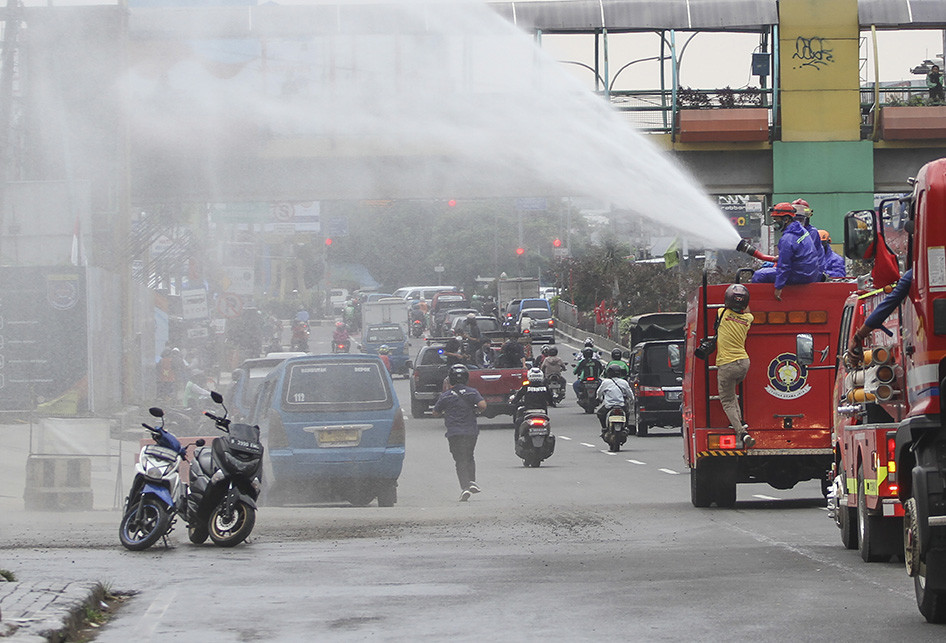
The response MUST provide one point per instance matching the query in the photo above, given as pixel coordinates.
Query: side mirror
(156, 412)
(805, 349)
(216, 397)
(409, 364)
(860, 234)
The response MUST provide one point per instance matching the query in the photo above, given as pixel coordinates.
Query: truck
(786, 404)
(656, 326)
(891, 397)
(516, 288)
(388, 310)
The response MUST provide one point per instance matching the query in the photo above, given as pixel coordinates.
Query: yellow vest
(731, 336)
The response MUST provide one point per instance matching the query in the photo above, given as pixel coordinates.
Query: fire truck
(891, 449)
(786, 403)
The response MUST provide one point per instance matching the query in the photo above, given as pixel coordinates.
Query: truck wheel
(642, 429)
(418, 408)
(932, 604)
(869, 530)
(724, 485)
(847, 521)
(701, 486)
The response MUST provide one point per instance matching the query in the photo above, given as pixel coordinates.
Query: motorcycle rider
(511, 355)
(541, 358)
(799, 253)
(383, 351)
(552, 365)
(533, 394)
(588, 366)
(613, 392)
(340, 335)
(617, 360)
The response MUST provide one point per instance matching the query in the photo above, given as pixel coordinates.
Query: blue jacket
(799, 259)
(834, 264)
(891, 301)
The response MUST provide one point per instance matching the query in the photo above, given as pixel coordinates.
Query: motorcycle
(157, 491)
(587, 393)
(534, 439)
(225, 483)
(615, 432)
(417, 328)
(341, 345)
(300, 336)
(557, 386)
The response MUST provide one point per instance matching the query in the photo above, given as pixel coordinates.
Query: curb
(46, 610)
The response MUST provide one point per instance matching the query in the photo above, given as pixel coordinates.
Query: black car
(656, 378)
(430, 368)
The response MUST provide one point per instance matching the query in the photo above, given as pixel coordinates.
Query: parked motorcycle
(556, 384)
(587, 393)
(616, 431)
(157, 491)
(534, 439)
(224, 483)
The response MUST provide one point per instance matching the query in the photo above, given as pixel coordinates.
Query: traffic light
(556, 243)
(328, 241)
(452, 202)
(520, 251)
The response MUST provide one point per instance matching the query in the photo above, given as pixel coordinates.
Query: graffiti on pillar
(812, 52)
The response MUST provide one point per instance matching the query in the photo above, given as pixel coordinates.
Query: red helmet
(782, 210)
(805, 208)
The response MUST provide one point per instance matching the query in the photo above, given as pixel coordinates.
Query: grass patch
(94, 613)
(6, 574)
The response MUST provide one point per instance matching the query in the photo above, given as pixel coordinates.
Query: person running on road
(458, 406)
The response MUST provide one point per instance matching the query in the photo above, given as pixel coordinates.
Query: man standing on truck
(855, 352)
(458, 406)
(732, 360)
(799, 258)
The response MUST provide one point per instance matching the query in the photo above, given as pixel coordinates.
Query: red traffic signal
(556, 243)
(328, 241)
(452, 202)
(520, 251)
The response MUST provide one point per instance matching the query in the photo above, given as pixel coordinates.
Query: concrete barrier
(58, 483)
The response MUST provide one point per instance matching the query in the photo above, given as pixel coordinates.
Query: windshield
(662, 364)
(337, 386)
(392, 334)
(536, 313)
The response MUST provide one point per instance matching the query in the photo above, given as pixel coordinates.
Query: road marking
(152, 617)
(670, 471)
(636, 462)
(585, 444)
(564, 437)
(761, 497)
(606, 452)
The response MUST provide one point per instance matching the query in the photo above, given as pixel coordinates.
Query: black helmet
(616, 353)
(737, 298)
(589, 343)
(614, 371)
(459, 374)
(587, 352)
(552, 351)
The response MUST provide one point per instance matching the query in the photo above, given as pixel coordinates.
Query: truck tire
(724, 486)
(870, 531)
(418, 408)
(847, 521)
(701, 486)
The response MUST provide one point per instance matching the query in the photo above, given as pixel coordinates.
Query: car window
(487, 325)
(263, 401)
(336, 386)
(391, 333)
(657, 369)
(433, 356)
(536, 313)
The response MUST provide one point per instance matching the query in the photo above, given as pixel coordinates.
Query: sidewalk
(44, 611)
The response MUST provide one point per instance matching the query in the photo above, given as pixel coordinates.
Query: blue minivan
(333, 430)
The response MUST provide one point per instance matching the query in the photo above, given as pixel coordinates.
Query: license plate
(538, 431)
(673, 395)
(333, 437)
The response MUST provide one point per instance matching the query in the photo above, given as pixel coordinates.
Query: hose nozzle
(745, 246)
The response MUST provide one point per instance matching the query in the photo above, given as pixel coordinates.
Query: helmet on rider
(736, 298)
(339, 324)
(553, 351)
(783, 213)
(587, 352)
(589, 343)
(471, 315)
(616, 354)
(535, 375)
(459, 374)
(803, 208)
(384, 350)
(545, 350)
(614, 371)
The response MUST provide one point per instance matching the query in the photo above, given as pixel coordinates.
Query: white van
(337, 298)
(412, 293)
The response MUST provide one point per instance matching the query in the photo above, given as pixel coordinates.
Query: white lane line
(585, 444)
(670, 471)
(153, 615)
(761, 497)
(564, 437)
(636, 462)
(606, 452)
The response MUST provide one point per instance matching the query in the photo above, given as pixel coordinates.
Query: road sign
(438, 268)
(194, 304)
(229, 305)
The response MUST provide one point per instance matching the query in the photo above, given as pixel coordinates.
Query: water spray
(749, 249)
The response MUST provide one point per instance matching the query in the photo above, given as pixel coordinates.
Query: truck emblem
(788, 379)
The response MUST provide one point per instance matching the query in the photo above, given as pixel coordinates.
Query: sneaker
(747, 441)
(465, 495)
(473, 488)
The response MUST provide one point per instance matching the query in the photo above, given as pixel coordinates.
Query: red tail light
(892, 461)
(398, 433)
(590, 379)
(649, 390)
(538, 421)
(551, 323)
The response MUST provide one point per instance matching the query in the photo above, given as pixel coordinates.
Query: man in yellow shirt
(732, 360)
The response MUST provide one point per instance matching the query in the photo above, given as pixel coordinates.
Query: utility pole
(11, 27)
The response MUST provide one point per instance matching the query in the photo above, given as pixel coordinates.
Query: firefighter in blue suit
(799, 253)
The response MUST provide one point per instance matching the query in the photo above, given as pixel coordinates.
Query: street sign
(197, 333)
(438, 268)
(229, 305)
(194, 304)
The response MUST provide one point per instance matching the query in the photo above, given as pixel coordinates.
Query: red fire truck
(894, 397)
(787, 404)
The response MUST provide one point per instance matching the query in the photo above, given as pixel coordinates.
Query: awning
(915, 14)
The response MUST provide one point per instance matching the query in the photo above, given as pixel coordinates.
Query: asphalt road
(590, 546)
